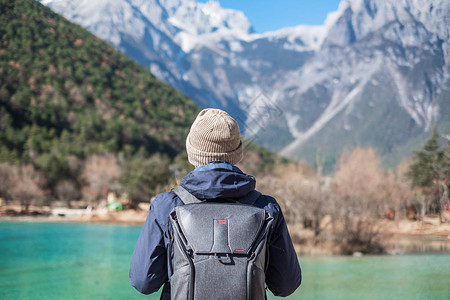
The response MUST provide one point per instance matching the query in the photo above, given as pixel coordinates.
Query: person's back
(213, 146)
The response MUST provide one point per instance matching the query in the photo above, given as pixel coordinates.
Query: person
(213, 146)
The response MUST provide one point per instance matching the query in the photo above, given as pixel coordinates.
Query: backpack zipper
(170, 254)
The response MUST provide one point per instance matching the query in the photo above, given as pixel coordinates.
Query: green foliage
(429, 164)
(181, 166)
(259, 160)
(445, 166)
(53, 167)
(430, 171)
(143, 178)
(62, 90)
(65, 95)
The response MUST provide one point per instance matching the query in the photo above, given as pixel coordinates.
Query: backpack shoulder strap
(185, 196)
(250, 198)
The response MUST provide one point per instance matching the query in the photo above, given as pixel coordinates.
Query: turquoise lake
(86, 261)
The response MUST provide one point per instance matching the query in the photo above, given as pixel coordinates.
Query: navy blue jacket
(149, 264)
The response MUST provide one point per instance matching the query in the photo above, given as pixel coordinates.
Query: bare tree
(66, 190)
(27, 188)
(397, 192)
(100, 171)
(8, 178)
(444, 200)
(302, 193)
(143, 178)
(312, 196)
(358, 200)
(282, 184)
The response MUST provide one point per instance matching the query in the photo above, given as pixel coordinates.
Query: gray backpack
(219, 249)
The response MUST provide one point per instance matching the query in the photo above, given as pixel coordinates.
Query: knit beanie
(214, 136)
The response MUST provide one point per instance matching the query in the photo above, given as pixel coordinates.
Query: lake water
(85, 261)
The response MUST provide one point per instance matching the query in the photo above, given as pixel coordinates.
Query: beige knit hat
(214, 135)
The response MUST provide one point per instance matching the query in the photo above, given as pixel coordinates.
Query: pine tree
(446, 162)
(426, 163)
(430, 171)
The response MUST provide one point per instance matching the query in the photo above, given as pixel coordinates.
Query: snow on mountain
(299, 38)
(204, 23)
(374, 52)
(376, 73)
(203, 18)
(163, 36)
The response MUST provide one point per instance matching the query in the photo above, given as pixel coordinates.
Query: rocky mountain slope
(376, 73)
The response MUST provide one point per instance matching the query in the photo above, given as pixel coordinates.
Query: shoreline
(53, 219)
(124, 217)
(429, 227)
(400, 237)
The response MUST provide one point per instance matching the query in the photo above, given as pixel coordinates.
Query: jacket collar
(218, 179)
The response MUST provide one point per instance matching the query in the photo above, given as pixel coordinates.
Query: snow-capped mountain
(383, 71)
(376, 73)
(201, 48)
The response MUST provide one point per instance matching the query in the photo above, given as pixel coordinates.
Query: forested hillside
(64, 91)
(74, 112)
(77, 117)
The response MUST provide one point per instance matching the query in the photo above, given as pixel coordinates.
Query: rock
(357, 254)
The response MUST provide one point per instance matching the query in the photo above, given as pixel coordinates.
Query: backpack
(219, 249)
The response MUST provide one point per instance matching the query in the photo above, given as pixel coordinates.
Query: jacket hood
(218, 180)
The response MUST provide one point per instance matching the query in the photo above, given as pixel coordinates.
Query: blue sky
(268, 15)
